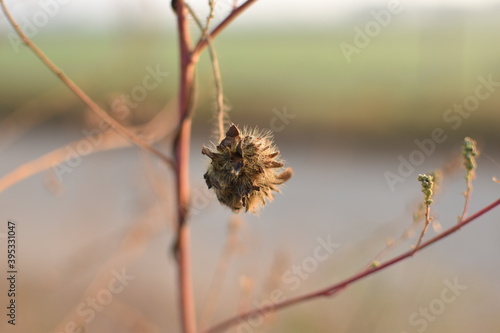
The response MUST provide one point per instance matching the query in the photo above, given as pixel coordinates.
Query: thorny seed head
(427, 182)
(245, 169)
(469, 153)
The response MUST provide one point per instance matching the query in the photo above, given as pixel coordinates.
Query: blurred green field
(400, 84)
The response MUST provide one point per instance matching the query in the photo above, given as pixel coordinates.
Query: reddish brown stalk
(186, 297)
(188, 60)
(334, 289)
(183, 244)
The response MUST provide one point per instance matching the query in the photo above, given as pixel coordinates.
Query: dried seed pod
(245, 169)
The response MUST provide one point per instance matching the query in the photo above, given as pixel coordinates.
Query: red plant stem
(188, 316)
(188, 60)
(331, 290)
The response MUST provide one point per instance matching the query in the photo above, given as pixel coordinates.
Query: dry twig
(337, 287)
(81, 94)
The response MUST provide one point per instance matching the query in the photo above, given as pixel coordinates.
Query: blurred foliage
(400, 84)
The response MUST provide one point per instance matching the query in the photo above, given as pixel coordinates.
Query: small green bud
(427, 182)
(469, 153)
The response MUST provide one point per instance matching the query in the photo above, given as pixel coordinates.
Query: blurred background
(362, 97)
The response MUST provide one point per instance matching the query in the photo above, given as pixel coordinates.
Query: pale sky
(99, 13)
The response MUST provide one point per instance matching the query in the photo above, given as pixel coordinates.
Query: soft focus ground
(351, 122)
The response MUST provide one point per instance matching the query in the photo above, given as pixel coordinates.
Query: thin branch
(216, 70)
(332, 290)
(81, 94)
(392, 243)
(467, 195)
(426, 225)
(211, 4)
(218, 87)
(418, 215)
(107, 141)
(234, 13)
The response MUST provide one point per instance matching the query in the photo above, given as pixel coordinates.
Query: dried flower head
(245, 169)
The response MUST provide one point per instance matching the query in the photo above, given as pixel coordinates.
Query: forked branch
(203, 43)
